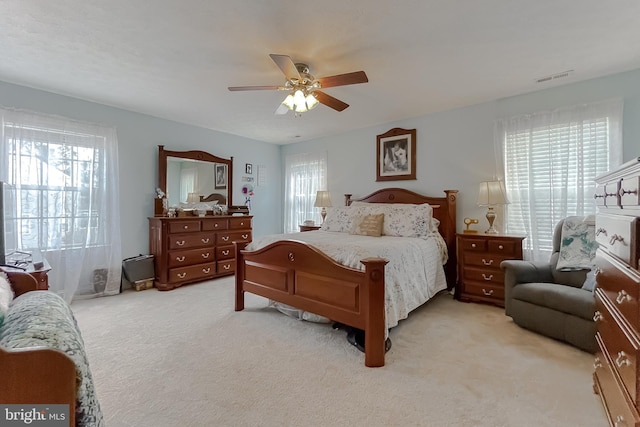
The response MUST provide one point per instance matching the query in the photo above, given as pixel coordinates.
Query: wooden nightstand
(479, 256)
(309, 227)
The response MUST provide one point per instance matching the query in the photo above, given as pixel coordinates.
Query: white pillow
(339, 219)
(403, 219)
(6, 295)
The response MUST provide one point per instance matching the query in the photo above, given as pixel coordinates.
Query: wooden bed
(301, 276)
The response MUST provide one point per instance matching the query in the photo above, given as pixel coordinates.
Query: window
(551, 160)
(64, 176)
(305, 174)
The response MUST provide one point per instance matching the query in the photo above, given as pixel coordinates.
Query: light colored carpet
(185, 358)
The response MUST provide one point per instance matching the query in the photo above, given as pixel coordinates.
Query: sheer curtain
(549, 161)
(65, 177)
(306, 174)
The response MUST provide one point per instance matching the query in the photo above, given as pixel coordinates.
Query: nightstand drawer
(487, 290)
(495, 277)
(487, 260)
(477, 245)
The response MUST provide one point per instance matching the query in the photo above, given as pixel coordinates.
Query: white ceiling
(175, 59)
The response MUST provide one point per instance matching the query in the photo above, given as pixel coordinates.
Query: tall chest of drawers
(617, 363)
(194, 249)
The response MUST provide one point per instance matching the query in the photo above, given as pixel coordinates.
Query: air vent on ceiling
(554, 76)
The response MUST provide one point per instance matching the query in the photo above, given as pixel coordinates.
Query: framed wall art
(396, 155)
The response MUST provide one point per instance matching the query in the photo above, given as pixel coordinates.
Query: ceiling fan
(304, 89)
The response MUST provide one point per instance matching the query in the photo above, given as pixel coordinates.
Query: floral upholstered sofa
(42, 357)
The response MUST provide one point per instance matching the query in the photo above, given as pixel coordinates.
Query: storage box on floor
(138, 272)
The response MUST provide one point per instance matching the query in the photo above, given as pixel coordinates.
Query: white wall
(455, 149)
(138, 138)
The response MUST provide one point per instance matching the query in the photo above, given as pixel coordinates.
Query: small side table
(479, 256)
(308, 227)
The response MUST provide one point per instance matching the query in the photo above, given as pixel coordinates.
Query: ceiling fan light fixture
(299, 101)
(311, 101)
(288, 101)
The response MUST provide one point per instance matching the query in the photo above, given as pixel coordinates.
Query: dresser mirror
(194, 176)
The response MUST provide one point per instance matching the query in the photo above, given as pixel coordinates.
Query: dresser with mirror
(191, 234)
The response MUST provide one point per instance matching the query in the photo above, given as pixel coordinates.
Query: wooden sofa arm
(21, 282)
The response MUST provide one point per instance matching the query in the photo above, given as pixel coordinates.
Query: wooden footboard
(299, 275)
(36, 376)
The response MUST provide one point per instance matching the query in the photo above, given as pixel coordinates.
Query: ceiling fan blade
(237, 88)
(287, 66)
(330, 101)
(343, 79)
(282, 109)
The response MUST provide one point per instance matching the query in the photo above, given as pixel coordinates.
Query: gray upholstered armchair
(558, 304)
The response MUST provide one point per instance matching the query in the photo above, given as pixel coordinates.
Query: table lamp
(490, 194)
(323, 200)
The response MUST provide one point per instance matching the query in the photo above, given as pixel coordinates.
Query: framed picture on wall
(396, 155)
(221, 176)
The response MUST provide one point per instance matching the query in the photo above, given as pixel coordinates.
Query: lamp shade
(323, 199)
(492, 193)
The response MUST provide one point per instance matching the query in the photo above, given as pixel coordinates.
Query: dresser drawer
(227, 266)
(225, 252)
(620, 284)
(629, 191)
(230, 237)
(493, 276)
(618, 235)
(485, 260)
(616, 401)
(485, 289)
(617, 346)
(215, 224)
(474, 245)
(190, 257)
(184, 226)
(193, 240)
(239, 222)
(193, 272)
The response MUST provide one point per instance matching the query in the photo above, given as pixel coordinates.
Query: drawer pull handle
(225, 252)
(485, 262)
(596, 271)
(180, 258)
(206, 270)
(500, 247)
(487, 292)
(622, 359)
(620, 422)
(215, 225)
(205, 256)
(598, 317)
(473, 245)
(182, 275)
(601, 231)
(616, 238)
(180, 242)
(242, 223)
(245, 236)
(225, 238)
(622, 192)
(186, 227)
(623, 296)
(487, 278)
(226, 266)
(597, 364)
(205, 240)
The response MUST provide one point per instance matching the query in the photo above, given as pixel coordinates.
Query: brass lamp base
(491, 216)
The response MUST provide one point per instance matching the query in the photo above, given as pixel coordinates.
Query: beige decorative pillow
(369, 225)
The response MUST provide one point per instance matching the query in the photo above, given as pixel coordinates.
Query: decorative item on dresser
(479, 256)
(617, 365)
(193, 249)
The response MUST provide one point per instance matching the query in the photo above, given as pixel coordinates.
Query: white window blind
(551, 160)
(306, 174)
